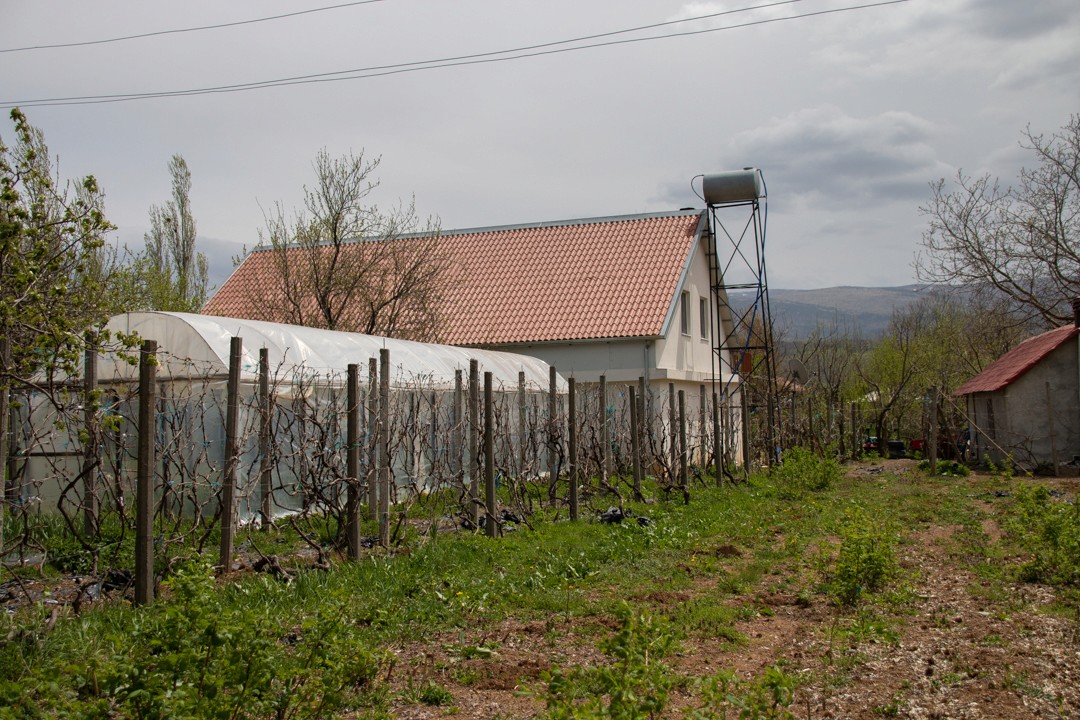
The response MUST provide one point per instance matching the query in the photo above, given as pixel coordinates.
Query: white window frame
(684, 313)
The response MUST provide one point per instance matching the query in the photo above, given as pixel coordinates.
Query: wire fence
(123, 470)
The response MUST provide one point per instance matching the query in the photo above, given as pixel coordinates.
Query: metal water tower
(738, 214)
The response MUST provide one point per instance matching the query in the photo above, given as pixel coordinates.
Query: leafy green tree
(170, 274)
(889, 369)
(55, 265)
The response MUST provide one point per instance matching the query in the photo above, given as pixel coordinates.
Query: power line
(187, 30)
(381, 68)
(474, 59)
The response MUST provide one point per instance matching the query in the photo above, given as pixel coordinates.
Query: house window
(703, 312)
(684, 312)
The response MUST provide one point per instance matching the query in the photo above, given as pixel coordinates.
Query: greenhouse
(197, 347)
(292, 418)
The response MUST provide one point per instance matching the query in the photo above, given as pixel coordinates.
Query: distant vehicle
(871, 444)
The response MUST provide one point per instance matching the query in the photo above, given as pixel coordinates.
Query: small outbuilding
(1024, 408)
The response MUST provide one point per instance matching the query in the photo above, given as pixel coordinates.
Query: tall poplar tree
(171, 274)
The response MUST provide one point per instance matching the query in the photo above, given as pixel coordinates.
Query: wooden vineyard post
(572, 448)
(91, 459)
(718, 440)
(232, 456)
(773, 454)
(266, 496)
(352, 441)
(931, 441)
(703, 439)
(373, 439)
(841, 433)
(473, 509)
(523, 424)
(854, 435)
(644, 423)
(635, 441)
(745, 430)
(553, 408)
(144, 483)
(673, 431)
(684, 477)
(605, 432)
(492, 522)
(457, 438)
(384, 447)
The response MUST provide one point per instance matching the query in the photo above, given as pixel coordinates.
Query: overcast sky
(848, 114)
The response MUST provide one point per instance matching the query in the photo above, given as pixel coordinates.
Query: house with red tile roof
(1026, 404)
(623, 297)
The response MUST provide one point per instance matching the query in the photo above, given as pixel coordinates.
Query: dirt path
(962, 647)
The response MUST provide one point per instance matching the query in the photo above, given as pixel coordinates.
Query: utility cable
(418, 64)
(187, 30)
(476, 59)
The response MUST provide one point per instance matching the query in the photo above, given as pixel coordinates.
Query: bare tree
(1017, 241)
(342, 264)
(829, 356)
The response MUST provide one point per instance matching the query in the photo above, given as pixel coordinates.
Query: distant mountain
(797, 312)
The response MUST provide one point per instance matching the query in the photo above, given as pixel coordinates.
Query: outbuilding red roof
(1010, 366)
(573, 280)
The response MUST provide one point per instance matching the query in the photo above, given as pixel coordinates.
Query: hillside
(868, 309)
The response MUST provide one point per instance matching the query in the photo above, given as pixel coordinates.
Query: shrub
(768, 697)
(635, 685)
(1050, 531)
(803, 471)
(866, 562)
(196, 655)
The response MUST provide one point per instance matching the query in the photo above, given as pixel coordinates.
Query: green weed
(946, 468)
(803, 471)
(1050, 532)
(636, 684)
(866, 561)
(768, 697)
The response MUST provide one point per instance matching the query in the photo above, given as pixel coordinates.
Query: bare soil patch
(965, 648)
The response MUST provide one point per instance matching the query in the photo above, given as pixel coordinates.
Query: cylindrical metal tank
(732, 187)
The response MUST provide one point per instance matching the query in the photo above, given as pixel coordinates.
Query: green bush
(1050, 531)
(769, 697)
(636, 685)
(197, 655)
(866, 562)
(804, 471)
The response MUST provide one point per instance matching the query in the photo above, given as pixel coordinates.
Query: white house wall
(687, 359)
(617, 360)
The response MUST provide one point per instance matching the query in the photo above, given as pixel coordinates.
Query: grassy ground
(872, 592)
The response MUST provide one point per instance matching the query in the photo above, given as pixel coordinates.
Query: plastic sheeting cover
(198, 345)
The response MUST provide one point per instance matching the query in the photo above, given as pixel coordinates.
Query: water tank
(732, 187)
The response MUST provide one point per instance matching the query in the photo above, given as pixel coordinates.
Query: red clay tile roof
(1017, 361)
(574, 280)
